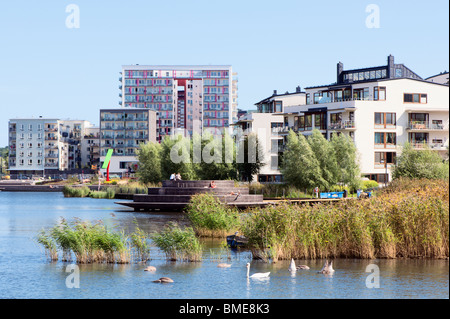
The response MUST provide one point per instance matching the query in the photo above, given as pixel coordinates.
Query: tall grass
(408, 219)
(210, 217)
(76, 191)
(179, 244)
(88, 242)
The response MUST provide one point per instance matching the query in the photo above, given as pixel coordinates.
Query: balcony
(51, 155)
(343, 125)
(51, 165)
(51, 138)
(426, 126)
(428, 145)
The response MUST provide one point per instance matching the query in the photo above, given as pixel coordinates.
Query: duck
(257, 275)
(163, 280)
(223, 265)
(150, 268)
(293, 267)
(327, 268)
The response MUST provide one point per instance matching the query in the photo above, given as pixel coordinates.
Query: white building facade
(382, 109)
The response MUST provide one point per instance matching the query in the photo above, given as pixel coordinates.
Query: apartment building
(266, 123)
(381, 108)
(123, 130)
(277, 102)
(441, 78)
(40, 146)
(186, 98)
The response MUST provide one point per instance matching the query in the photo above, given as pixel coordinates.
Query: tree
(217, 157)
(347, 160)
(250, 157)
(300, 165)
(325, 154)
(149, 157)
(176, 157)
(424, 163)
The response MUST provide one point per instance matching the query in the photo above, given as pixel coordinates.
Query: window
(274, 162)
(317, 97)
(308, 122)
(278, 106)
(301, 123)
(415, 98)
(308, 98)
(385, 119)
(379, 118)
(379, 93)
(335, 118)
(398, 73)
(388, 138)
(320, 121)
(390, 118)
(385, 158)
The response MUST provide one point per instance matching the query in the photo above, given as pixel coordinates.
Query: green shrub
(93, 243)
(369, 185)
(210, 217)
(76, 191)
(178, 244)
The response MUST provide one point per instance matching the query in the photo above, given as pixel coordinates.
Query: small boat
(235, 241)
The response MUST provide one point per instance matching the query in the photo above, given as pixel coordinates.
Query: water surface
(26, 273)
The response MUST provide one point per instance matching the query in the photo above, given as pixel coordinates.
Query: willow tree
(217, 160)
(249, 157)
(149, 157)
(326, 156)
(176, 157)
(347, 159)
(300, 166)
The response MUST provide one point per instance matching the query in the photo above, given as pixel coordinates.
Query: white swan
(257, 275)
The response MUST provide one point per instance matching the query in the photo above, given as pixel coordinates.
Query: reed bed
(88, 242)
(179, 244)
(409, 219)
(69, 191)
(211, 218)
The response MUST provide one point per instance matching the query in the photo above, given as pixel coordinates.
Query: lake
(25, 272)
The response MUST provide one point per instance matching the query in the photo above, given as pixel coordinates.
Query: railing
(349, 124)
(51, 165)
(424, 125)
(51, 138)
(334, 100)
(425, 145)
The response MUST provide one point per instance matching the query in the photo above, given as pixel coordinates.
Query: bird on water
(258, 274)
(163, 280)
(327, 268)
(293, 267)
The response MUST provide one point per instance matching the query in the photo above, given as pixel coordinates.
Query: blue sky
(50, 70)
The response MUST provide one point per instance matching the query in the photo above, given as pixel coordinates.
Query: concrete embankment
(28, 186)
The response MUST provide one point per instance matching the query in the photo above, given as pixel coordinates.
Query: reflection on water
(25, 273)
